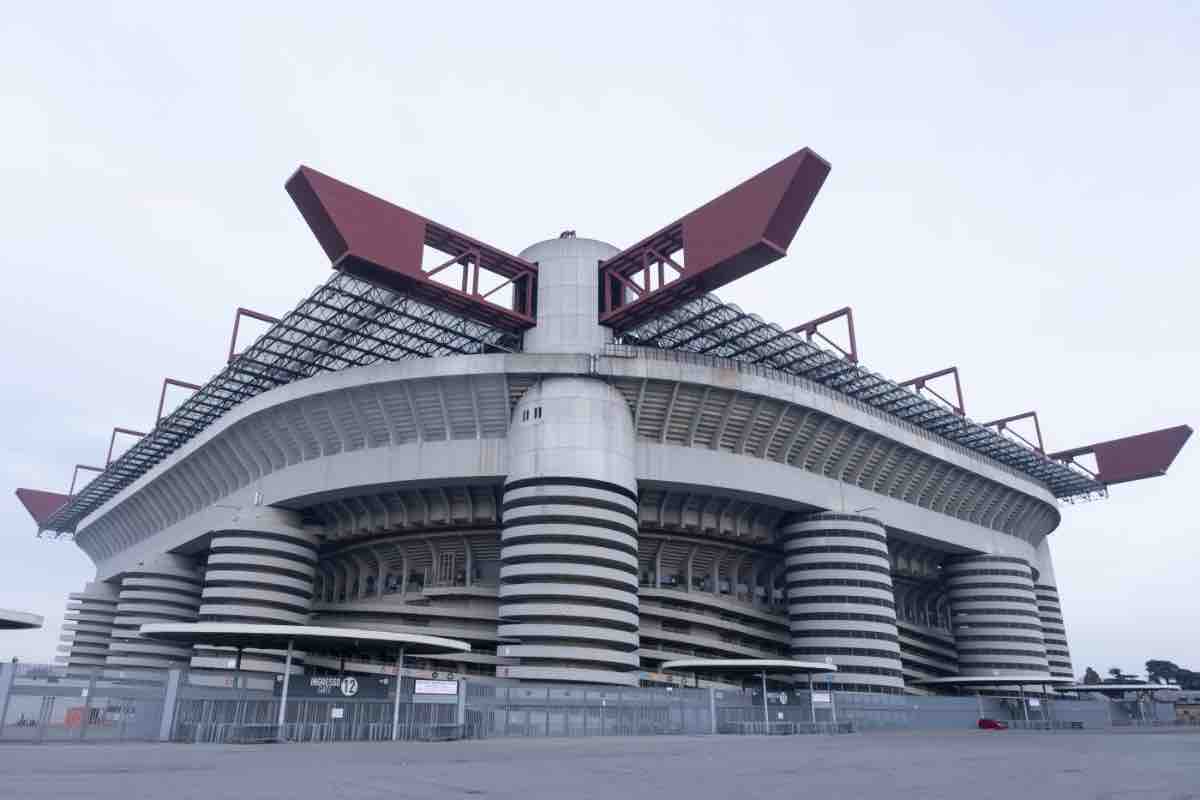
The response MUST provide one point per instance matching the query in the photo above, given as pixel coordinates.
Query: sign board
(337, 713)
(783, 698)
(822, 698)
(342, 687)
(435, 687)
(1035, 702)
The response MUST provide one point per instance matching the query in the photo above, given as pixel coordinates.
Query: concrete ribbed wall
(840, 599)
(994, 613)
(88, 627)
(1058, 653)
(165, 589)
(569, 555)
(258, 571)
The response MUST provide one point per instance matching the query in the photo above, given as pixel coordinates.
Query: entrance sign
(339, 687)
(435, 687)
(822, 698)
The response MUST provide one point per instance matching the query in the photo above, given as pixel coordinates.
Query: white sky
(1014, 191)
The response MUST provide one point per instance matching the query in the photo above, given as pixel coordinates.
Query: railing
(1045, 725)
(252, 733)
(747, 728)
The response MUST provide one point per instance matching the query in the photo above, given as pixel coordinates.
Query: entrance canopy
(18, 620)
(303, 637)
(984, 681)
(748, 666)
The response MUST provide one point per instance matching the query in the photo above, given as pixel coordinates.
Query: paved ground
(922, 766)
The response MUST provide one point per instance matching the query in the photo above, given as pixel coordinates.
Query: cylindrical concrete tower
(568, 296)
(1058, 653)
(88, 627)
(568, 550)
(840, 599)
(994, 616)
(260, 570)
(163, 589)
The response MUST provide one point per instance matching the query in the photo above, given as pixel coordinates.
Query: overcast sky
(1014, 191)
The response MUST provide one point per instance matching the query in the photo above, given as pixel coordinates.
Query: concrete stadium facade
(582, 511)
(593, 474)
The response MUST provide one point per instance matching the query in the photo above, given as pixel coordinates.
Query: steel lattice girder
(706, 325)
(344, 323)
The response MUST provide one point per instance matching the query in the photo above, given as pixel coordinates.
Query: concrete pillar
(994, 616)
(260, 569)
(1054, 632)
(840, 599)
(87, 630)
(165, 588)
(569, 544)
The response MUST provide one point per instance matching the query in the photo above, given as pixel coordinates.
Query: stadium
(581, 462)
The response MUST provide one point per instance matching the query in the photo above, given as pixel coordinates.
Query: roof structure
(995, 680)
(732, 666)
(313, 638)
(346, 322)
(706, 325)
(383, 303)
(18, 620)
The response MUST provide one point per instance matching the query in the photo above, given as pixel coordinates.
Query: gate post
(170, 703)
(712, 709)
(7, 672)
(461, 717)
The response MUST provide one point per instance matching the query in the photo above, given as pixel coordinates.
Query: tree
(1091, 677)
(1162, 671)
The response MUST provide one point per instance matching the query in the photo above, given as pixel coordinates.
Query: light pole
(283, 693)
(396, 703)
(766, 716)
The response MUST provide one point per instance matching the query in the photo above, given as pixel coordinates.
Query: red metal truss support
(812, 329)
(237, 319)
(75, 476)
(384, 244)
(162, 396)
(1131, 458)
(740, 231)
(921, 382)
(112, 440)
(1002, 424)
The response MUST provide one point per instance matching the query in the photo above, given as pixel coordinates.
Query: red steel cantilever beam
(813, 328)
(922, 381)
(41, 505)
(1132, 458)
(237, 318)
(162, 396)
(1002, 424)
(744, 229)
(112, 440)
(383, 243)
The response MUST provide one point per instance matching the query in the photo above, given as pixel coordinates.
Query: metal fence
(44, 704)
(253, 719)
(556, 710)
(47, 704)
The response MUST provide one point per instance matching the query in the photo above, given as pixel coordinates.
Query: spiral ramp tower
(261, 571)
(165, 589)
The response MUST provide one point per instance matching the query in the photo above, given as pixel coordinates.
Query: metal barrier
(40, 703)
(248, 719)
(747, 728)
(1045, 725)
